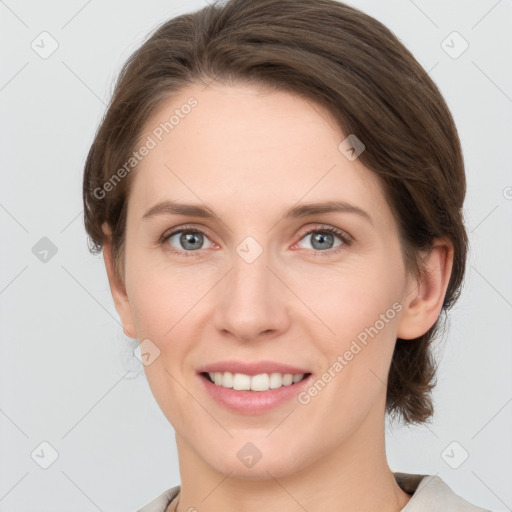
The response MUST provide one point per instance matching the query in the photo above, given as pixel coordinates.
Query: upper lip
(251, 368)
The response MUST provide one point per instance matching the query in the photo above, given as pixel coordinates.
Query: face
(261, 285)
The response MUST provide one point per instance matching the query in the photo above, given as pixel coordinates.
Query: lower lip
(253, 402)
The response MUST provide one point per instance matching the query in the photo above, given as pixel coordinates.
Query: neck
(354, 476)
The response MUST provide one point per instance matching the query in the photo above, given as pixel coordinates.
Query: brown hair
(361, 73)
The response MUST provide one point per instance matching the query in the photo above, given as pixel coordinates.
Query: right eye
(183, 241)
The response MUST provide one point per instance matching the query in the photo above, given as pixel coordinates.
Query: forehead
(245, 147)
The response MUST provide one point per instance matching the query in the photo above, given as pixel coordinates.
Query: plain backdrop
(73, 396)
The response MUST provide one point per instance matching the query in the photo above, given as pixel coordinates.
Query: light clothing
(429, 494)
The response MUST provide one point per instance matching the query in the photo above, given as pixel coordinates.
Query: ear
(117, 287)
(422, 310)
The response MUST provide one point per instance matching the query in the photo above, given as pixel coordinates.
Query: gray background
(67, 375)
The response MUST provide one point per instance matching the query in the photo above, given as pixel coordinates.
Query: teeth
(261, 382)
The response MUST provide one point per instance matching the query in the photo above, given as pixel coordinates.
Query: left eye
(322, 239)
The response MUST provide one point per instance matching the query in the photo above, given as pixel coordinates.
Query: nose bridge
(250, 274)
(253, 300)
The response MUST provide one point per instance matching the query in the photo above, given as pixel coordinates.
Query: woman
(277, 187)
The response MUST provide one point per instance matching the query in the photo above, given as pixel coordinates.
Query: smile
(255, 394)
(260, 382)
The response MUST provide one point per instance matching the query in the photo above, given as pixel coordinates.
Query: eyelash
(344, 237)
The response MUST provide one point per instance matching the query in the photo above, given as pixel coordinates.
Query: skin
(249, 153)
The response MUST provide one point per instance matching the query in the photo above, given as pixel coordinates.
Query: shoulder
(160, 503)
(430, 493)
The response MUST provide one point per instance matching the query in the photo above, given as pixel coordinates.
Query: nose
(254, 301)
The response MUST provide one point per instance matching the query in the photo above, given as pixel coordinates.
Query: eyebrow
(298, 211)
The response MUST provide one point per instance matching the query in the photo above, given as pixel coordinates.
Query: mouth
(257, 383)
(253, 387)
(254, 394)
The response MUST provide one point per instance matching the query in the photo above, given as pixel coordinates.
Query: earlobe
(422, 310)
(118, 289)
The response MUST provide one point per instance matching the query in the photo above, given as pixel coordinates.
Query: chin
(273, 463)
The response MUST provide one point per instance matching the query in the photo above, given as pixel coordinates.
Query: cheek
(167, 309)
(153, 310)
(362, 311)
(355, 380)
(350, 299)
(159, 295)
